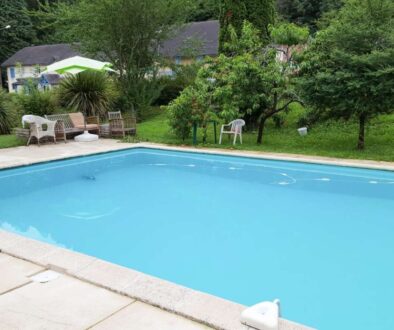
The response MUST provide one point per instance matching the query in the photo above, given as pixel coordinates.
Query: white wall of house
(21, 72)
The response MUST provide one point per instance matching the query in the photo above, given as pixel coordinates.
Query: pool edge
(197, 306)
(118, 146)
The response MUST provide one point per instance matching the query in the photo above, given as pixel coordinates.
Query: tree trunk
(261, 130)
(361, 132)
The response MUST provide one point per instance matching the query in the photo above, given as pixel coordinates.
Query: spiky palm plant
(90, 92)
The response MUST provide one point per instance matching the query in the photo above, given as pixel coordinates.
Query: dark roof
(206, 35)
(42, 55)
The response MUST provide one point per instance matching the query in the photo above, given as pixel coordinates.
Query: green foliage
(180, 114)
(348, 70)
(89, 92)
(7, 116)
(34, 102)
(193, 106)
(184, 76)
(289, 34)
(249, 83)
(204, 10)
(125, 32)
(306, 12)
(261, 13)
(20, 34)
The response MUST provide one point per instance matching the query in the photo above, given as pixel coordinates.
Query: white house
(29, 62)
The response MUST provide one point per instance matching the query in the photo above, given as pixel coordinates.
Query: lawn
(333, 139)
(8, 141)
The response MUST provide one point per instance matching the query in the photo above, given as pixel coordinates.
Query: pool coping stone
(197, 306)
(111, 146)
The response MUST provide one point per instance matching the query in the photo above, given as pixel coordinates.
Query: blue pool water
(320, 238)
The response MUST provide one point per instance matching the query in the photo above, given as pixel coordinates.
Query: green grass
(334, 139)
(8, 141)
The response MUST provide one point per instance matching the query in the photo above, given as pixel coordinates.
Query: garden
(333, 74)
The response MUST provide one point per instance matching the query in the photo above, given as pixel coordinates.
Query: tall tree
(348, 70)
(128, 33)
(204, 10)
(249, 82)
(261, 13)
(20, 34)
(306, 12)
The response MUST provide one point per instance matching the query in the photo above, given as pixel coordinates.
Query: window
(12, 72)
(178, 60)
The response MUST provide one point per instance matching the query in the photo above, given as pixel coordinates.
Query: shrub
(7, 116)
(184, 76)
(36, 102)
(180, 114)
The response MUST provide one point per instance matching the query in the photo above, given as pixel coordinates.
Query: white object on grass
(303, 131)
(86, 137)
(263, 316)
(235, 129)
(44, 277)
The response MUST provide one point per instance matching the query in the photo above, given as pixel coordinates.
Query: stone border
(318, 160)
(197, 306)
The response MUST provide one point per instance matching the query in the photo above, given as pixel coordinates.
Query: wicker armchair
(39, 128)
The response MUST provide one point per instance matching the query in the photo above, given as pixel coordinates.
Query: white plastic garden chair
(235, 129)
(37, 128)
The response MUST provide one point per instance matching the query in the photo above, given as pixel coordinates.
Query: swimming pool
(320, 238)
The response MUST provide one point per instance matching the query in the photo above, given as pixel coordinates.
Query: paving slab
(64, 303)
(15, 272)
(140, 316)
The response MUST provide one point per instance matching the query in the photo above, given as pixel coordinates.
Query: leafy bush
(36, 102)
(193, 106)
(180, 114)
(7, 116)
(184, 76)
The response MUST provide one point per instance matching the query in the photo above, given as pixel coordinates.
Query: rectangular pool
(320, 238)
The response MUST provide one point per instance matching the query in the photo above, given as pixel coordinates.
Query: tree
(348, 70)
(127, 33)
(20, 34)
(90, 92)
(248, 82)
(204, 10)
(306, 12)
(261, 13)
(290, 35)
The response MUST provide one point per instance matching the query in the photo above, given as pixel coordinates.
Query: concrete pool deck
(116, 297)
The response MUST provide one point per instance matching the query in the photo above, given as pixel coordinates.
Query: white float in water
(263, 316)
(86, 137)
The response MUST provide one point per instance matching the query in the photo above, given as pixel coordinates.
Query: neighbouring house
(29, 62)
(191, 42)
